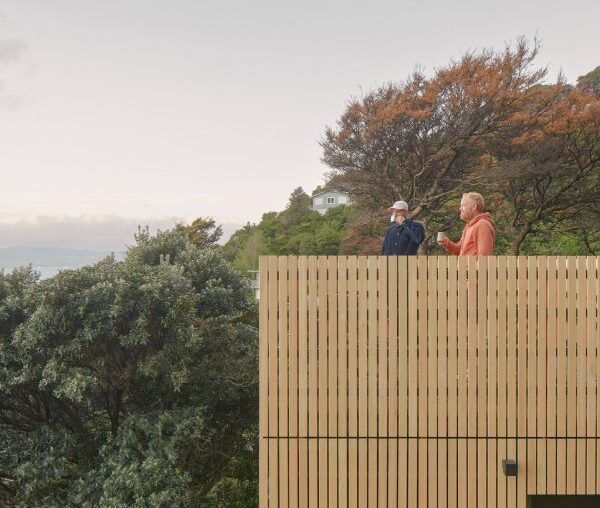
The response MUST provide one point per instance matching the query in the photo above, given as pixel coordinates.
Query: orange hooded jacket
(477, 238)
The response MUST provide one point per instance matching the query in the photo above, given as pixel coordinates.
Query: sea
(50, 260)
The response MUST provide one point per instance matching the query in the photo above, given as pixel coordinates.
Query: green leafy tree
(244, 247)
(297, 230)
(128, 383)
(298, 206)
(590, 81)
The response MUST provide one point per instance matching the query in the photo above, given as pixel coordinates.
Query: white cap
(399, 205)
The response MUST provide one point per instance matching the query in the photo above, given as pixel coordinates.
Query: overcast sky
(116, 112)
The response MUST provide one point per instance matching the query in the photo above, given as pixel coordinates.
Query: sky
(126, 112)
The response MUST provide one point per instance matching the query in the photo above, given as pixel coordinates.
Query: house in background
(328, 198)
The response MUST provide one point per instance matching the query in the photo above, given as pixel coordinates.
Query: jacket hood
(481, 217)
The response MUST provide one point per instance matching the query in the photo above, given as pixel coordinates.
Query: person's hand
(400, 219)
(443, 241)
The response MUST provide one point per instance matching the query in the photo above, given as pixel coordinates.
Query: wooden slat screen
(395, 381)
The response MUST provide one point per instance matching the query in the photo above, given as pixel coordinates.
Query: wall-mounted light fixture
(509, 467)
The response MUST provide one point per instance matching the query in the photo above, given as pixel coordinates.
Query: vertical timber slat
(302, 380)
(413, 403)
(392, 368)
(551, 377)
(432, 377)
(362, 382)
(372, 404)
(342, 344)
(383, 338)
(561, 360)
(531, 347)
(293, 351)
(273, 384)
(282, 375)
(472, 473)
(422, 377)
(442, 380)
(581, 376)
(332, 377)
(264, 386)
(591, 382)
(313, 428)
(571, 341)
(492, 377)
(542, 375)
(352, 381)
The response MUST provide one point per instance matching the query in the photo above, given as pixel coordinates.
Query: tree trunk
(515, 246)
(586, 243)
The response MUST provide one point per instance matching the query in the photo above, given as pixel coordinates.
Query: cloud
(102, 232)
(11, 50)
(12, 102)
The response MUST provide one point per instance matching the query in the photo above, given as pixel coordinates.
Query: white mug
(441, 235)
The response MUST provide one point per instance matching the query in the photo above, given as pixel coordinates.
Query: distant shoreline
(49, 260)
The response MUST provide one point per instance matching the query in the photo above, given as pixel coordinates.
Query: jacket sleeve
(485, 238)
(416, 232)
(453, 248)
(384, 246)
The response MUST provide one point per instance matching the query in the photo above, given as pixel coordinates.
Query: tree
(485, 123)
(422, 140)
(297, 230)
(363, 238)
(550, 173)
(297, 206)
(590, 81)
(244, 247)
(202, 232)
(127, 383)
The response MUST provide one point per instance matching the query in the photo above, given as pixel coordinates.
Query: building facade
(326, 199)
(424, 381)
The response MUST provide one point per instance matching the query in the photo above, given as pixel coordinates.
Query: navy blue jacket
(403, 240)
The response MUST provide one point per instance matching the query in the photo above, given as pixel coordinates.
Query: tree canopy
(296, 230)
(202, 232)
(590, 81)
(128, 383)
(487, 122)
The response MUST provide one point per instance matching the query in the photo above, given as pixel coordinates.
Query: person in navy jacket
(403, 235)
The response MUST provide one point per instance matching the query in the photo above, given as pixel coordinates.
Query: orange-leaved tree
(425, 140)
(485, 122)
(548, 174)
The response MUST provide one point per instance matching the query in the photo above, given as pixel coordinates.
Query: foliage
(590, 81)
(486, 123)
(127, 383)
(297, 230)
(244, 247)
(202, 232)
(550, 173)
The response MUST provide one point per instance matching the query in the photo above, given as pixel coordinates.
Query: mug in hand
(440, 236)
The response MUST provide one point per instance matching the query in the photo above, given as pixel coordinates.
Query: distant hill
(50, 260)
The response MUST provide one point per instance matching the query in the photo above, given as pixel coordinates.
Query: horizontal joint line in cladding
(441, 438)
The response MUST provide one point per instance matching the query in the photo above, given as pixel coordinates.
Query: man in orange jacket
(479, 234)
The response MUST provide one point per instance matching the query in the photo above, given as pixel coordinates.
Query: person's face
(467, 209)
(400, 213)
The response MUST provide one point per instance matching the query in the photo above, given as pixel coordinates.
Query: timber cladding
(406, 381)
